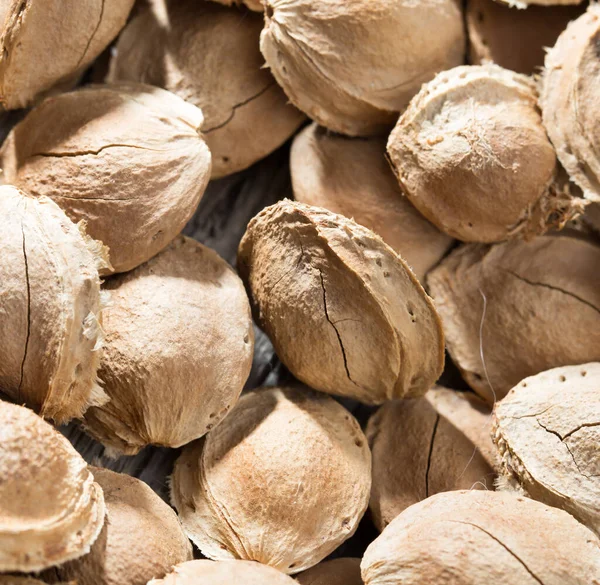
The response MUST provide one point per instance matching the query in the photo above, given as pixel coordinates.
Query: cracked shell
(547, 430)
(526, 307)
(396, 46)
(51, 510)
(328, 170)
(44, 43)
(50, 302)
(283, 481)
(344, 312)
(127, 158)
(475, 537)
(344, 571)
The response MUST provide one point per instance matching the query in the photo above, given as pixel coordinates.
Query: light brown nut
(516, 309)
(344, 312)
(178, 350)
(51, 510)
(127, 158)
(283, 481)
(50, 308)
(351, 177)
(344, 571)
(395, 46)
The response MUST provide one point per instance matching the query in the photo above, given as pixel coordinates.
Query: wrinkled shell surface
(209, 56)
(345, 571)
(351, 177)
(396, 45)
(283, 481)
(50, 308)
(344, 312)
(51, 511)
(542, 309)
(178, 349)
(127, 158)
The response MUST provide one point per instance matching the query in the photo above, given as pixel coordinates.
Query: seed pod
(51, 511)
(483, 537)
(428, 445)
(524, 307)
(396, 46)
(570, 87)
(50, 304)
(42, 43)
(128, 158)
(283, 481)
(547, 430)
(345, 571)
(328, 170)
(179, 344)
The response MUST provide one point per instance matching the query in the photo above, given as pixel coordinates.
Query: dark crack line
(581, 426)
(288, 272)
(75, 198)
(28, 317)
(435, 426)
(95, 31)
(72, 154)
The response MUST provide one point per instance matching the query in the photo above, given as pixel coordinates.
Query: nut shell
(344, 571)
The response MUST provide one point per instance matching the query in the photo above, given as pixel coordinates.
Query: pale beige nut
(351, 177)
(50, 308)
(127, 158)
(284, 480)
(51, 510)
(516, 309)
(352, 66)
(423, 446)
(344, 571)
(178, 350)
(44, 43)
(547, 430)
(477, 537)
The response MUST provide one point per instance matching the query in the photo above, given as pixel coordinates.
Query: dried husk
(516, 309)
(476, 537)
(344, 571)
(127, 158)
(50, 308)
(352, 177)
(423, 446)
(178, 350)
(396, 45)
(283, 481)
(51, 510)
(344, 312)
(44, 43)
(547, 430)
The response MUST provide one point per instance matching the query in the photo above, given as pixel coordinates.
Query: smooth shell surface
(284, 480)
(344, 312)
(344, 571)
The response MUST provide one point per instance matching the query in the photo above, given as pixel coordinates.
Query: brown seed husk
(44, 43)
(283, 481)
(351, 177)
(520, 308)
(423, 446)
(178, 350)
(50, 308)
(468, 538)
(344, 312)
(547, 430)
(396, 45)
(51, 511)
(127, 158)
(344, 571)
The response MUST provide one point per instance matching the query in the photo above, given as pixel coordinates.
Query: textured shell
(127, 158)
(570, 87)
(42, 43)
(344, 571)
(471, 154)
(141, 539)
(351, 177)
(179, 345)
(209, 55)
(50, 308)
(476, 537)
(344, 312)
(255, 5)
(526, 307)
(396, 45)
(51, 510)
(548, 430)
(283, 481)
(428, 445)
